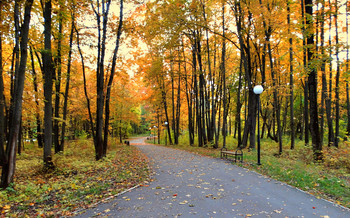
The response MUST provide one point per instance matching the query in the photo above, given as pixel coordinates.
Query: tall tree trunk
(312, 82)
(39, 134)
(276, 104)
(189, 101)
(223, 72)
(85, 90)
(173, 123)
(250, 120)
(214, 101)
(306, 89)
(15, 59)
(201, 118)
(100, 74)
(2, 101)
(195, 89)
(329, 97)
(110, 81)
(250, 123)
(238, 106)
(291, 83)
(178, 103)
(337, 76)
(323, 71)
(166, 110)
(48, 76)
(58, 66)
(8, 169)
(66, 93)
(210, 113)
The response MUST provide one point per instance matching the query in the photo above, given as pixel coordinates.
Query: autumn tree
(8, 168)
(101, 11)
(312, 83)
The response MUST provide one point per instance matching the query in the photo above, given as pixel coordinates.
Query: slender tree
(2, 100)
(330, 90)
(66, 93)
(223, 73)
(57, 80)
(337, 77)
(306, 82)
(37, 103)
(48, 70)
(312, 83)
(111, 76)
(101, 11)
(323, 70)
(291, 82)
(8, 169)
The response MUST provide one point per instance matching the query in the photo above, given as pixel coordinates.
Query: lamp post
(154, 136)
(150, 133)
(165, 124)
(258, 90)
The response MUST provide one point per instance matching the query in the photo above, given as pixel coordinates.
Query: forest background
(176, 69)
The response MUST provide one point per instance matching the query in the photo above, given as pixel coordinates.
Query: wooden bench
(237, 154)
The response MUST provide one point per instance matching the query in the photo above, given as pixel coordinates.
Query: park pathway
(190, 185)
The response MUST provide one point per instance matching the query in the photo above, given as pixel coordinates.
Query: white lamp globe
(258, 89)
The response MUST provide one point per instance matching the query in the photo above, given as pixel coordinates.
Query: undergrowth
(77, 181)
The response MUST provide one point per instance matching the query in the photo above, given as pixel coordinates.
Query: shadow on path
(191, 185)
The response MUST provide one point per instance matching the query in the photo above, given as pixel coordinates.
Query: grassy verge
(77, 181)
(329, 179)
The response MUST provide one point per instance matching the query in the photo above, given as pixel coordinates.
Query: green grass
(77, 181)
(329, 179)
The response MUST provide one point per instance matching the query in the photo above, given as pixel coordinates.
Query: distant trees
(52, 55)
(261, 44)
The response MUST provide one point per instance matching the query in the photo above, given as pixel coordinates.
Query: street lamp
(258, 90)
(154, 136)
(150, 133)
(165, 124)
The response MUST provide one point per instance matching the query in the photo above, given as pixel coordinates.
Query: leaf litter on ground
(77, 182)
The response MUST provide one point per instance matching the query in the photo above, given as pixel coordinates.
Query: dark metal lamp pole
(258, 90)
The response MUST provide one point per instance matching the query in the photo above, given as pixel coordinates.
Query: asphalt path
(189, 185)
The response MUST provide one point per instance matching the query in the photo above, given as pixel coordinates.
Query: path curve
(190, 185)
